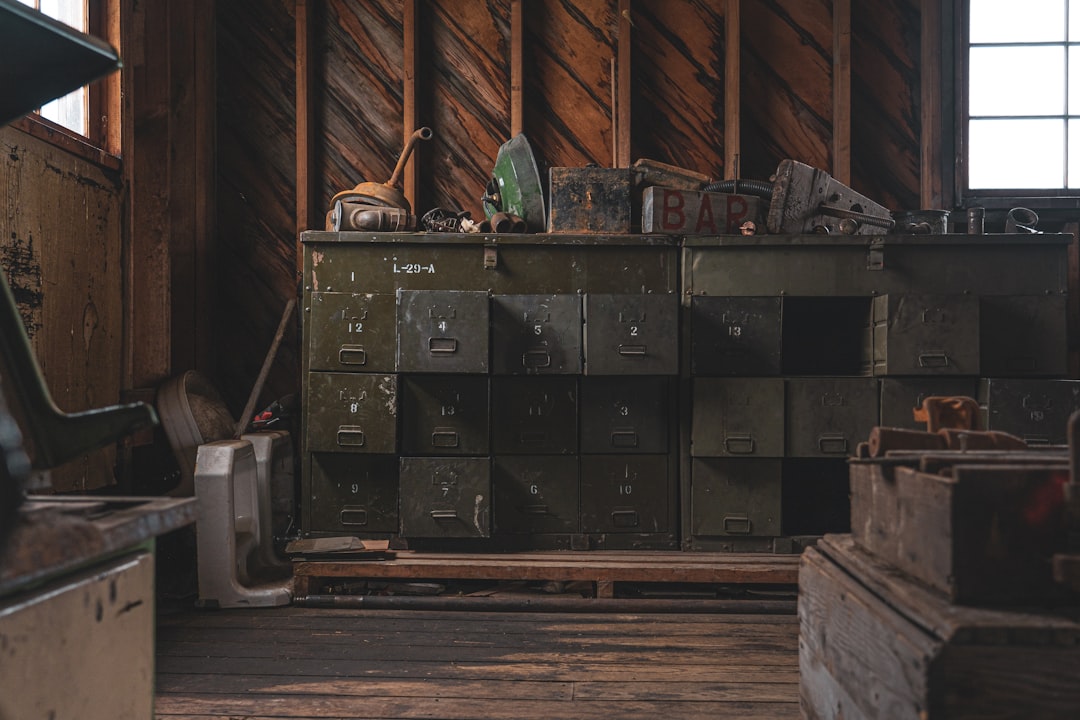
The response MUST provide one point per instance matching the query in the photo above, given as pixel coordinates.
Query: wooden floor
(314, 663)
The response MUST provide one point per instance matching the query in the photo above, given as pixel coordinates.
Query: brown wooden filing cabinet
(491, 392)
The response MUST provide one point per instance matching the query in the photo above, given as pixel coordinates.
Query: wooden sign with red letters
(690, 212)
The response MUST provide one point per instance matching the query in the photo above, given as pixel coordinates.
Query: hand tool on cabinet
(805, 198)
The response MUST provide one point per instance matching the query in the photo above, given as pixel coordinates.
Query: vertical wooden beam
(411, 118)
(931, 191)
(623, 91)
(732, 92)
(205, 171)
(517, 68)
(105, 94)
(305, 197)
(841, 140)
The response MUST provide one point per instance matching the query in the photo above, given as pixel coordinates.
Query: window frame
(991, 197)
(101, 144)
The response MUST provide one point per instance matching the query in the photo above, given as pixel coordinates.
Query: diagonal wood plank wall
(569, 63)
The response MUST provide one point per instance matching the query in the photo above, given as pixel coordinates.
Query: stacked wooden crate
(943, 601)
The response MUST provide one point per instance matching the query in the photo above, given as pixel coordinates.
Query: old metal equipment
(515, 187)
(805, 198)
(382, 194)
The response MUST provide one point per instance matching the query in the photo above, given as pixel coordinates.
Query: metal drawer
(444, 415)
(631, 334)
(534, 415)
(926, 335)
(737, 417)
(442, 331)
(351, 332)
(1034, 409)
(535, 494)
(536, 334)
(828, 417)
(445, 497)
(1023, 335)
(735, 496)
(352, 494)
(625, 493)
(735, 335)
(351, 412)
(624, 415)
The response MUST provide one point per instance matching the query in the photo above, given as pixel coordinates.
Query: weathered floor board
(308, 663)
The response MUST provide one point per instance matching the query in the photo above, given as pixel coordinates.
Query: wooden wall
(60, 245)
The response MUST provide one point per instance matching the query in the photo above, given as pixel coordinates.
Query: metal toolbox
(625, 415)
(737, 417)
(828, 417)
(735, 335)
(444, 331)
(926, 334)
(900, 397)
(1024, 335)
(735, 496)
(632, 334)
(445, 497)
(1034, 409)
(352, 494)
(351, 412)
(625, 493)
(590, 200)
(535, 494)
(536, 334)
(444, 415)
(352, 332)
(534, 415)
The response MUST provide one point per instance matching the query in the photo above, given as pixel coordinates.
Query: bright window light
(70, 110)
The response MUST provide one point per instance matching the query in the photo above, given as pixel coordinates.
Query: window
(70, 111)
(1023, 96)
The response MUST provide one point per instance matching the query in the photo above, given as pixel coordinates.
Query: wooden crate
(875, 644)
(980, 528)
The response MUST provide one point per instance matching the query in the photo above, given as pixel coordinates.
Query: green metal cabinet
(926, 334)
(535, 494)
(631, 334)
(443, 497)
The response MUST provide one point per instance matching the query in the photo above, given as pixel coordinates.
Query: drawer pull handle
(350, 436)
(536, 359)
(442, 346)
(536, 510)
(353, 516)
(444, 514)
(534, 437)
(632, 350)
(352, 355)
(737, 525)
(624, 439)
(934, 360)
(740, 444)
(445, 439)
(833, 444)
(625, 518)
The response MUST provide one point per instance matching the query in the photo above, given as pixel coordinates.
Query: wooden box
(875, 644)
(983, 531)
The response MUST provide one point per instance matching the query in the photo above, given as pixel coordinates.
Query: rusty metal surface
(806, 198)
(590, 200)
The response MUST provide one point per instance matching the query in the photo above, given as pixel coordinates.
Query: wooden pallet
(604, 569)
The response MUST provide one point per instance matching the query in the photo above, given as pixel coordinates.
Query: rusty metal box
(1024, 335)
(828, 417)
(536, 334)
(351, 412)
(351, 332)
(735, 335)
(926, 334)
(354, 494)
(625, 493)
(735, 496)
(445, 497)
(737, 417)
(534, 415)
(900, 397)
(590, 200)
(535, 494)
(442, 331)
(625, 415)
(444, 415)
(1034, 409)
(632, 334)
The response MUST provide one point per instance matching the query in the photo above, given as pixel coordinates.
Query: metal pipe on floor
(550, 604)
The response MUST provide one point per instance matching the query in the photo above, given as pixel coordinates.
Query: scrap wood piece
(337, 546)
(956, 412)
